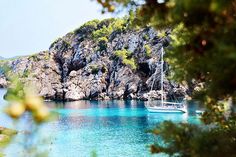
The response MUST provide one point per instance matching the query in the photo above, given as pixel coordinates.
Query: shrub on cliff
(94, 69)
(130, 62)
(125, 55)
(102, 43)
(88, 27)
(107, 27)
(148, 50)
(103, 32)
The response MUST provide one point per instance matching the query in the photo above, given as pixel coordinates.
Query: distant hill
(2, 58)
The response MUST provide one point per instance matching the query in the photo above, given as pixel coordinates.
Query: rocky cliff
(100, 60)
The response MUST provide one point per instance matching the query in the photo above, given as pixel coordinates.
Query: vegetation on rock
(148, 50)
(124, 55)
(102, 43)
(95, 69)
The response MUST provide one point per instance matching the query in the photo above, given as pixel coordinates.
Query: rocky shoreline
(122, 64)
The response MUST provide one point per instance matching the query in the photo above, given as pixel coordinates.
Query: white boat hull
(199, 111)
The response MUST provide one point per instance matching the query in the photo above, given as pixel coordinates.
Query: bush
(34, 57)
(118, 24)
(95, 69)
(26, 73)
(90, 25)
(123, 55)
(93, 23)
(106, 22)
(47, 56)
(148, 50)
(146, 37)
(162, 34)
(103, 39)
(4, 68)
(130, 63)
(102, 43)
(109, 26)
(103, 32)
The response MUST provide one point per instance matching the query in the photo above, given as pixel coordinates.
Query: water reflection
(85, 104)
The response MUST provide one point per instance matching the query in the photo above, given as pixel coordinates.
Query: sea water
(105, 128)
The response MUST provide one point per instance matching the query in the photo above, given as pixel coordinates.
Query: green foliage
(26, 73)
(102, 43)
(94, 69)
(192, 140)
(47, 56)
(162, 34)
(202, 50)
(5, 68)
(145, 37)
(121, 53)
(103, 39)
(15, 91)
(118, 24)
(6, 136)
(106, 30)
(8, 132)
(91, 25)
(130, 62)
(131, 21)
(34, 57)
(2, 61)
(103, 32)
(124, 55)
(148, 50)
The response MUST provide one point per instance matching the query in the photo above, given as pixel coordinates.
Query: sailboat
(165, 106)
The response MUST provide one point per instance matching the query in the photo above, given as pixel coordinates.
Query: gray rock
(75, 68)
(3, 82)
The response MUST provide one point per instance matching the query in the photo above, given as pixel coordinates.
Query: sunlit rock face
(3, 82)
(77, 67)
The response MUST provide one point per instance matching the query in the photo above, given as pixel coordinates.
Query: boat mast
(162, 76)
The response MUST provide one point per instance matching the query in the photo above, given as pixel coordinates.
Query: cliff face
(100, 60)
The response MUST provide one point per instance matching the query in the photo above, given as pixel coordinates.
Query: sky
(30, 26)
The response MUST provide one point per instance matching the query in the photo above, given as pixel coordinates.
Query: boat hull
(199, 112)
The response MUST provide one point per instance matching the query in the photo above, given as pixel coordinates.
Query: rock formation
(94, 62)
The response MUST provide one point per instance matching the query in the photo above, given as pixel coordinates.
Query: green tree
(202, 51)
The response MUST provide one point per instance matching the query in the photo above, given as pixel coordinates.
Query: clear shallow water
(110, 128)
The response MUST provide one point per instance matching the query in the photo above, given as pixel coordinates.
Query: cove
(109, 128)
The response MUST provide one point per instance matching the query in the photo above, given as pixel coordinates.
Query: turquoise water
(109, 128)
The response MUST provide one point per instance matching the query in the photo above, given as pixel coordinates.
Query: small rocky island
(100, 60)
